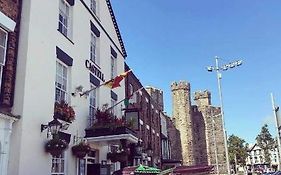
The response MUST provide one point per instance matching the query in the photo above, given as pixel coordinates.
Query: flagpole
(124, 74)
(88, 91)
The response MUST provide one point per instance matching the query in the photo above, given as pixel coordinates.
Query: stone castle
(200, 128)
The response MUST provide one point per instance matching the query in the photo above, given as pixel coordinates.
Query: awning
(111, 139)
(146, 170)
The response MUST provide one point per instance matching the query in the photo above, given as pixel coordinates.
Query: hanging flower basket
(56, 147)
(64, 112)
(81, 150)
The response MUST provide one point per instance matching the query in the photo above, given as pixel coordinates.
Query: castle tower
(156, 95)
(214, 137)
(182, 119)
(202, 98)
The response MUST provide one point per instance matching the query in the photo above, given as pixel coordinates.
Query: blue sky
(168, 41)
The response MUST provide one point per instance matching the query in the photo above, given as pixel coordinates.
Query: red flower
(64, 112)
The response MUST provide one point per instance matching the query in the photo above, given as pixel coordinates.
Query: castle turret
(202, 98)
(182, 118)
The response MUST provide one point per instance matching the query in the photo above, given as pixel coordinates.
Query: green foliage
(266, 142)
(105, 119)
(237, 148)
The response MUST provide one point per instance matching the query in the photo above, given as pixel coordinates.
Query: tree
(265, 142)
(237, 149)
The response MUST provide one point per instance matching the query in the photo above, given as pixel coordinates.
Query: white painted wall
(35, 88)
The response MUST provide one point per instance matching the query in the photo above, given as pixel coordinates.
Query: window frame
(93, 97)
(62, 166)
(64, 79)
(6, 35)
(94, 56)
(82, 166)
(94, 6)
(113, 66)
(113, 110)
(65, 19)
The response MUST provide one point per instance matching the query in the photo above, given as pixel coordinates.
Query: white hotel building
(63, 45)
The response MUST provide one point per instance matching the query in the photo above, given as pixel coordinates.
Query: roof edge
(116, 27)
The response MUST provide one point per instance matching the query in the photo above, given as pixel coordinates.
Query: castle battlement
(202, 98)
(183, 85)
(153, 89)
(202, 94)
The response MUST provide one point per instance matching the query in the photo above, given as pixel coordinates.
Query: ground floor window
(58, 165)
(82, 167)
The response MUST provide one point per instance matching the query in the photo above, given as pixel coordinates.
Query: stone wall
(213, 130)
(200, 127)
(174, 138)
(200, 146)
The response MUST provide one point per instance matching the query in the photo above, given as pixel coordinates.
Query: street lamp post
(218, 68)
(275, 111)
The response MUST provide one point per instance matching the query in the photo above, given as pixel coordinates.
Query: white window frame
(60, 161)
(94, 57)
(82, 166)
(63, 78)
(132, 94)
(113, 109)
(93, 104)
(3, 46)
(94, 6)
(113, 66)
(64, 18)
(131, 89)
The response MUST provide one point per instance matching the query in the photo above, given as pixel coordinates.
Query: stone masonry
(181, 119)
(213, 130)
(200, 127)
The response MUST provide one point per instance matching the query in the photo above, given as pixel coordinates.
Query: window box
(96, 132)
(107, 124)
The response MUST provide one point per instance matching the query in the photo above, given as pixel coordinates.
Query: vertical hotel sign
(94, 69)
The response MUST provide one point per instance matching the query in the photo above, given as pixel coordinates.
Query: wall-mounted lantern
(53, 126)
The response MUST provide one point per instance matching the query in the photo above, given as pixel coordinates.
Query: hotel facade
(63, 48)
